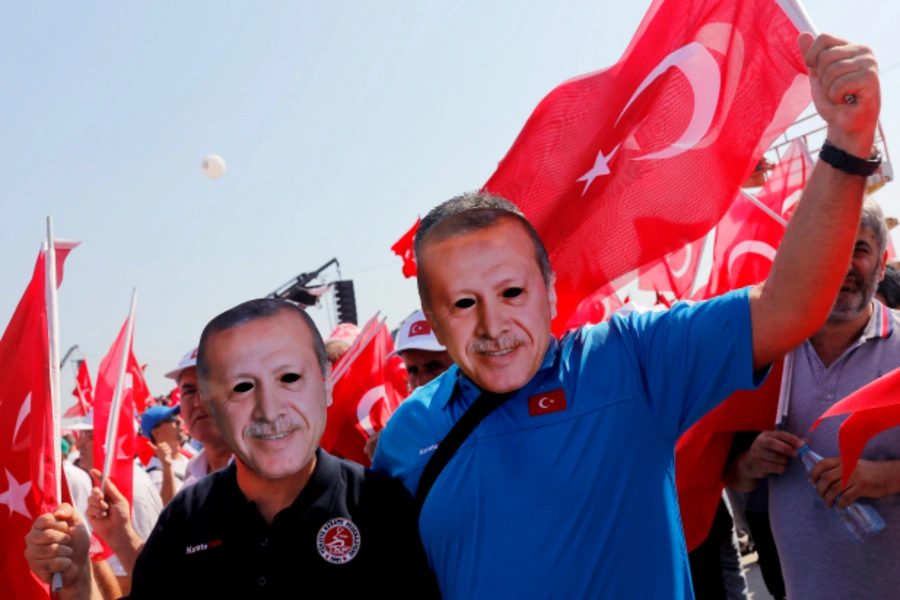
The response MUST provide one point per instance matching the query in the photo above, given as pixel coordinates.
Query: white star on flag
(14, 496)
(120, 448)
(601, 167)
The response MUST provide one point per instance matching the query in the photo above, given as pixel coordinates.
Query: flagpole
(804, 22)
(764, 208)
(112, 428)
(53, 326)
(53, 339)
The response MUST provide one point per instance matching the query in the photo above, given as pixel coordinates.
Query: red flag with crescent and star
(83, 392)
(364, 397)
(617, 168)
(122, 472)
(404, 249)
(27, 473)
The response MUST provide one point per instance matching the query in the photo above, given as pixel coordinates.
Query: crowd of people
(522, 465)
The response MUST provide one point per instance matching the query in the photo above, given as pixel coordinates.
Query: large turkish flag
(617, 168)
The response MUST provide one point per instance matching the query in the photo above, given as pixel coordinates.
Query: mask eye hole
(290, 378)
(513, 292)
(464, 303)
(244, 386)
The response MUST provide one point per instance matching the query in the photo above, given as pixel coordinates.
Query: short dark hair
(474, 211)
(889, 288)
(254, 310)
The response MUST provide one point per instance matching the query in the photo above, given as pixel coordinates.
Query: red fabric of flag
(122, 471)
(364, 398)
(746, 237)
(140, 393)
(701, 452)
(27, 473)
(596, 308)
(84, 392)
(404, 249)
(875, 408)
(618, 168)
(675, 272)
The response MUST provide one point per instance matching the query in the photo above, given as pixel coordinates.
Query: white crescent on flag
(704, 76)
(688, 252)
(750, 247)
(366, 403)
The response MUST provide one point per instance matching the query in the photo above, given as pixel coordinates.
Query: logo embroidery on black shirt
(206, 546)
(338, 541)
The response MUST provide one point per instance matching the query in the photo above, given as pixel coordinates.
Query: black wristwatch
(848, 163)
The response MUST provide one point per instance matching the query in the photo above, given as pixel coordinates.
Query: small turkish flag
(364, 397)
(548, 402)
(404, 249)
(620, 167)
(27, 446)
(122, 472)
(84, 392)
(175, 396)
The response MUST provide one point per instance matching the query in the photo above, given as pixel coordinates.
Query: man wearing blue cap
(162, 425)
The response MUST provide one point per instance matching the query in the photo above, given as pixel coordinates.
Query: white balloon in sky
(213, 166)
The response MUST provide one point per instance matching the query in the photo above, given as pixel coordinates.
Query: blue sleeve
(691, 357)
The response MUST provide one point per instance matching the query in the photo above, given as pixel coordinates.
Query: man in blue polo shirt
(567, 489)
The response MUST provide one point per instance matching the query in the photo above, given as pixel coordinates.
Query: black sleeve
(412, 576)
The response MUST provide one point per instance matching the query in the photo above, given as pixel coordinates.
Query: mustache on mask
(279, 426)
(504, 342)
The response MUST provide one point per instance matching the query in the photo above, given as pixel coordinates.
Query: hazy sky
(340, 122)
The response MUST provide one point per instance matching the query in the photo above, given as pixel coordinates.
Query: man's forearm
(811, 263)
(892, 473)
(85, 588)
(127, 548)
(167, 492)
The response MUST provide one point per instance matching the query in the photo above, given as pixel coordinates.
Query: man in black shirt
(284, 516)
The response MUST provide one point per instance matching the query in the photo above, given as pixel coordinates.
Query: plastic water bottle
(862, 520)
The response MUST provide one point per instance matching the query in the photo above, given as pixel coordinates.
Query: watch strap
(848, 163)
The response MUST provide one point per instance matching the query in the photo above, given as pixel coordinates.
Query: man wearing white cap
(425, 358)
(215, 453)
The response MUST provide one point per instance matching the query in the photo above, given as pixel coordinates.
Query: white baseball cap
(416, 334)
(187, 361)
(85, 424)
